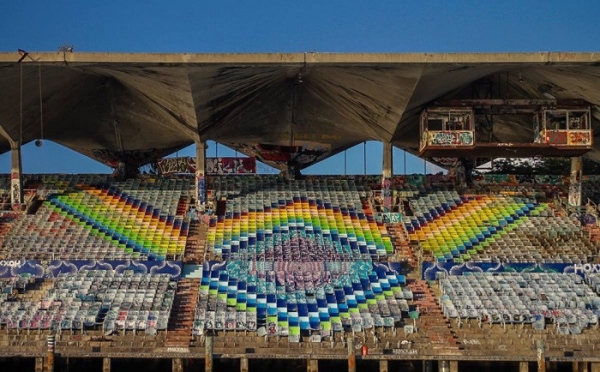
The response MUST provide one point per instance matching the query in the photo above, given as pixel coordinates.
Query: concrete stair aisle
(182, 206)
(403, 250)
(431, 321)
(181, 321)
(196, 243)
(6, 223)
(594, 233)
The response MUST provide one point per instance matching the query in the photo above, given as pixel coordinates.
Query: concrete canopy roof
(299, 108)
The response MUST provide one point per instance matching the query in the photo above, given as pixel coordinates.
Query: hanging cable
(21, 104)
(39, 141)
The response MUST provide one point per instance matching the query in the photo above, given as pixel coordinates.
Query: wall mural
(214, 166)
(450, 138)
(431, 269)
(51, 268)
(302, 154)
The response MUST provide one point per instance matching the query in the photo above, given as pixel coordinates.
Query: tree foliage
(545, 166)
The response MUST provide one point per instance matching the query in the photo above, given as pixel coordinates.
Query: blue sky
(199, 26)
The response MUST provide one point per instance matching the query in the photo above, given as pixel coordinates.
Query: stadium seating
(89, 218)
(88, 300)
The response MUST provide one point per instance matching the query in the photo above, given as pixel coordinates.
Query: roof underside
(281, 108)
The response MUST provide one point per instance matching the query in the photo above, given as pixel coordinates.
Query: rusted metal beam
(511, 102)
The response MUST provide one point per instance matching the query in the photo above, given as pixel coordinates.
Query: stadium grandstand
(206, 264)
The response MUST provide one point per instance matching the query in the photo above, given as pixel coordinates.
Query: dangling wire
(41, 107)
(21, 104)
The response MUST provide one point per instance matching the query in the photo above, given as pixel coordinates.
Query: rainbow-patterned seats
(102, 222)
(287, 297)
(321, 219)
(298, 255)
(495, 228)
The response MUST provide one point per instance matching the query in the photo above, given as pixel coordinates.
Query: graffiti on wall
(220, 165)
(431, 269)
(230, 165)
(15, 189)
(450, 138)
(52, 268)
(183, 164)
(580, 138)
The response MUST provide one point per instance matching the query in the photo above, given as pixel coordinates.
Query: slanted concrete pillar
(575, 182)
(39, 364)
(351, 355)
(384, 365)
(312, 365)
(208, 354)
(200, 172)
(16, 177)
(387, 175)
(523, 367)
(105, 364)
(244, 365)
(177, 365)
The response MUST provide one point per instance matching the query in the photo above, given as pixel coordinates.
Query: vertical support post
(105, 364)
(453, 366)
(200, 172)
(16, 177)
(39, 364)
(244, 365)
(177, 365)
(541, 356)
(523, 367)
(312, 365)
(64, 364)
(208, 354)
(582, 367)
(50, 354)
(384, 365)
(443, 366)
(595, 367)
(387, 175)
(575, 182)
(427, 366)
(351, 355)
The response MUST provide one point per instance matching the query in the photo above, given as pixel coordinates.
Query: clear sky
(199, 26)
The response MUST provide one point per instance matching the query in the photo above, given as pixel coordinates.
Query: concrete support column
(49, 365)
(580, 367)
(16, 178)
(105, 364)
(208, 354)
(541, 356)
(384, 365)
(177, 365)
(312, 365)
(351, 355)
(200, 172)
(453, 365)
(595, 367)
(443, 366)
(575, 182)
(523, 367)
(39, 364)
(387, 175)
(244, 365)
